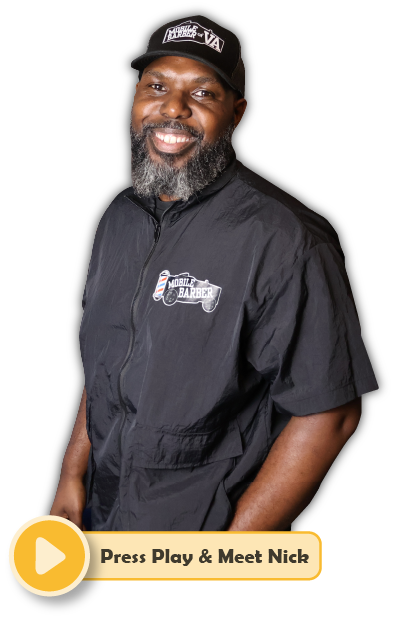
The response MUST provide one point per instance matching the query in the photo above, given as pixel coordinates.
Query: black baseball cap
(200, 39)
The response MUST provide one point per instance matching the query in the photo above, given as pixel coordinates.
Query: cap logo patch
(192, 31)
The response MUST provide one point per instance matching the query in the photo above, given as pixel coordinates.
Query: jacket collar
(196, 198)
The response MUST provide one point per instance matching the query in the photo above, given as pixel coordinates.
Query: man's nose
(175, 106)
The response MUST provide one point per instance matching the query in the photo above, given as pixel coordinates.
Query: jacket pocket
(153, 448)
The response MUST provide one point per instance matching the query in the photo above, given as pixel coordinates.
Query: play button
(47, 556)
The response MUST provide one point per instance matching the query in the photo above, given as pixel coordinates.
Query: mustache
(172, 124)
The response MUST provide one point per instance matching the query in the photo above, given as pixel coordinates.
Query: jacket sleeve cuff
(327, 400)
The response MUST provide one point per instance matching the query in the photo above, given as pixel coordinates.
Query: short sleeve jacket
(202, 335)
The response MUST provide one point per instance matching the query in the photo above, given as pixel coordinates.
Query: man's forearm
(294, 469)
(70, 495)
(75, 459)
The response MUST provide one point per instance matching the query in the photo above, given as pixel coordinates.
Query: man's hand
(294, 469)
(70, 500)
(70, 497)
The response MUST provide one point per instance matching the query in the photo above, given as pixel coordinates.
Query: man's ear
(239, 110)
(136, 86)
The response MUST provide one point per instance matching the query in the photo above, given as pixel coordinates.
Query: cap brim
(142, 62)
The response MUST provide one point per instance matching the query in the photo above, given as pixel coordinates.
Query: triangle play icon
(47, 556)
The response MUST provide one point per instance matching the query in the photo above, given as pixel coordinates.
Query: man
(223, 359)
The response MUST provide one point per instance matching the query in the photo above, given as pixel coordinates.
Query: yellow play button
(49, 556)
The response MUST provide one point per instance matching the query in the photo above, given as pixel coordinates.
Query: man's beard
(151, 178)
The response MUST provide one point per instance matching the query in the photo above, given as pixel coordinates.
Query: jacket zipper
(134, 305)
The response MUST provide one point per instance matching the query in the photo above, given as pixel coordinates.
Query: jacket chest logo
(186, 289)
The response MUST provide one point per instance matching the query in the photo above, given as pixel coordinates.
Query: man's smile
(170, 140)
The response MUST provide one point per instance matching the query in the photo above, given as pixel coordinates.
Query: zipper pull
(157, 232)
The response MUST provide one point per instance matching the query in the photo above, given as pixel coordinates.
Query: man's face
(192, 98)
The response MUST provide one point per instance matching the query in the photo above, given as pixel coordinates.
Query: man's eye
(158, 87)
(203, 93)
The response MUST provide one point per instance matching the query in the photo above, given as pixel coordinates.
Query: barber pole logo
(192, 31)
(161, 284)
(184, 288)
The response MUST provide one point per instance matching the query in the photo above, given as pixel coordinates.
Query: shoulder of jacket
(117, 201)
(277, 208)
(121, 198)
(111, 216)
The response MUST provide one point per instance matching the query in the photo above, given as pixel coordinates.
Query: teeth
(169, 138)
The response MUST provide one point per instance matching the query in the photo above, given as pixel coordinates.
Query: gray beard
(153, 179)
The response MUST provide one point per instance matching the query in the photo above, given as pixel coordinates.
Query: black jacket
(200, 338)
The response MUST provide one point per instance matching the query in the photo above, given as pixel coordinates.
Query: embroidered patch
(186, 289)
(192, 31)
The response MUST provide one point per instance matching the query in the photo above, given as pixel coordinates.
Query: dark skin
(178, 89)
(70, 497)
(183, 90)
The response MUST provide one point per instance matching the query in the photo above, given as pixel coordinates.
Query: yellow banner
(50, 556)
(204, 555)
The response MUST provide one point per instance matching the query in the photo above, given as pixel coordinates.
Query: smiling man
(181, 143)
(223, 360)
